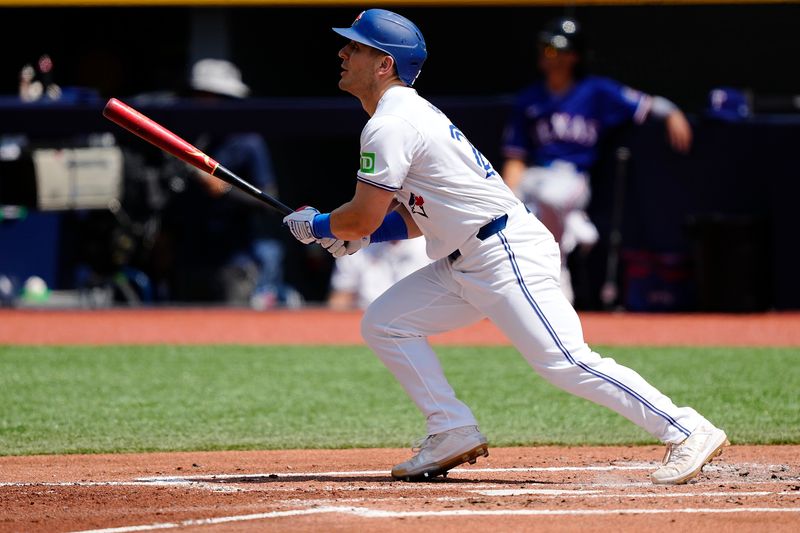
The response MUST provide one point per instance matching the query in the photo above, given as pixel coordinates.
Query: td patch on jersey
(368, 162)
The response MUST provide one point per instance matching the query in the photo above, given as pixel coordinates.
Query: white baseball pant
(511, 278)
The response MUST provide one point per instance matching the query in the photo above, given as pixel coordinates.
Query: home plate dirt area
(747, 488)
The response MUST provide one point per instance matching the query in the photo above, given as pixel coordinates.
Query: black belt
(492, 227)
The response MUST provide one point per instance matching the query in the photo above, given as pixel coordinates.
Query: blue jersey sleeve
(620, 103)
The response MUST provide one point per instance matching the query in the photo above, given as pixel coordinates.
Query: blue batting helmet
(393, 34)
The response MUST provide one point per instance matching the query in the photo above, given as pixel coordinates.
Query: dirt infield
(750, 488)
(234, 326)
(514, 489)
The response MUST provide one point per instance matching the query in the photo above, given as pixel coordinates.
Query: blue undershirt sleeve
(393, 228)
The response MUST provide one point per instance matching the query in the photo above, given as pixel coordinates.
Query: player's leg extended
(397, 325)
(546, 329)
(537, 318)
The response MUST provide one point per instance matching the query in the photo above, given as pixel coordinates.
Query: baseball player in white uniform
(491, 258)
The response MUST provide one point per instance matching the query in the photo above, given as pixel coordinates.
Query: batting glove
(300, 223)
(352, 247)
(335, 247)
(339, 248)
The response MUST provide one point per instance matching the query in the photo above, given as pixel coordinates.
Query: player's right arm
(387, 146)
(363, 214)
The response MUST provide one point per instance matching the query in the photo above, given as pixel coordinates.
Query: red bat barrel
(156, 134)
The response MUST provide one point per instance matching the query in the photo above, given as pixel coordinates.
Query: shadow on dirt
(350, 479)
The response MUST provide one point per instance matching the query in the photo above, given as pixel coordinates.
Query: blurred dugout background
(712, 231)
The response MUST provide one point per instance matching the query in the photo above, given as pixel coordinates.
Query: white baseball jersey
(412, 148)
(510, 275)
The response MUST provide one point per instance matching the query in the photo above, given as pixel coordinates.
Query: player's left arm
(623, 100)
(679, 130)
(411, 226)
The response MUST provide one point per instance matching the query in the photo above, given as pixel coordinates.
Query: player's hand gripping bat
(159, 136)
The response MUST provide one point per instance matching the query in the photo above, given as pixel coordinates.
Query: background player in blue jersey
(552, 138)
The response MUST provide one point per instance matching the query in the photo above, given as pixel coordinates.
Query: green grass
(123, 398)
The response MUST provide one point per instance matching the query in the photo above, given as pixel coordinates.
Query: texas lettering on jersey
(567, 128)
(546, 127)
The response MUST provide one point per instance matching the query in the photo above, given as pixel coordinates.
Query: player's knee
(379, 326)
(371, 331)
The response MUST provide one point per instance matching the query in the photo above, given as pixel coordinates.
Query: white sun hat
(218, 76)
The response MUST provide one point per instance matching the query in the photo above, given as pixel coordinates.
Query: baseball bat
(157, 135)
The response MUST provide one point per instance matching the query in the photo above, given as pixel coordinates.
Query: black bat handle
(229, 177)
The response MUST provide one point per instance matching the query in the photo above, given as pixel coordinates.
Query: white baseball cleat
(436, 454)
(684, 461)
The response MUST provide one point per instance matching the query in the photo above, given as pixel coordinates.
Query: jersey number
(456, 134)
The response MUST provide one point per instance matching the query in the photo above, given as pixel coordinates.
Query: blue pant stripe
(551, 331)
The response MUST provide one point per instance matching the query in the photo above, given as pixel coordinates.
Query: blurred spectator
(226, 244)
(552, 138)
(37, 84)
(360, 278)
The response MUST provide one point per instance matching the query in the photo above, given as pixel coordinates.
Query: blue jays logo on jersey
(416, 205)
(567, 128)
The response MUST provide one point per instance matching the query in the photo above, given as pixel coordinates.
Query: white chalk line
(543, 494)
(601, 494)
(587, 490)
(365, 512)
